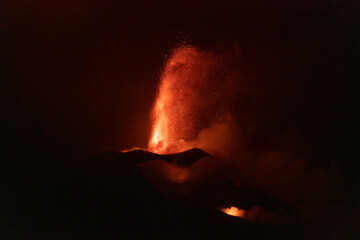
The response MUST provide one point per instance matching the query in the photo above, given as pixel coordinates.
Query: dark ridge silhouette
(186, 158)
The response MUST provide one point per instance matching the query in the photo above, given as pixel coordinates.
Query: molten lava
(172, 111)
(193, 88)
(234, 211)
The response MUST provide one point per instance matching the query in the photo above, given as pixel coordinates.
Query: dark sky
(79, 77)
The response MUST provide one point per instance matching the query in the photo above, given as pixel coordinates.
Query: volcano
(246, 112)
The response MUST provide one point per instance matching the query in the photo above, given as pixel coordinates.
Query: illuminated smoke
(191, 107)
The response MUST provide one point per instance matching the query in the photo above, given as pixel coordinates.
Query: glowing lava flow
(234, 211)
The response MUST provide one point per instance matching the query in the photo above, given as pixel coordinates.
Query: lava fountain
(193, 93)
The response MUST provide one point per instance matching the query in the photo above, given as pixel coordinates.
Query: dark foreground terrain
(109, 198)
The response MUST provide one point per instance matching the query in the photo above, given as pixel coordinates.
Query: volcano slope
(108, 197)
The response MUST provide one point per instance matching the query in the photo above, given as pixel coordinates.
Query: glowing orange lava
(234, 211)
(171, 104)
(190, 108)
(176, 109)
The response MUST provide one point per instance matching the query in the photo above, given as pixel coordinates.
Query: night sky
(80, 77)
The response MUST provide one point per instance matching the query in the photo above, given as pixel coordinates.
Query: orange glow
(177, 174)
(190, 109)
(180, 100)
(171, 106)
(234, 211)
